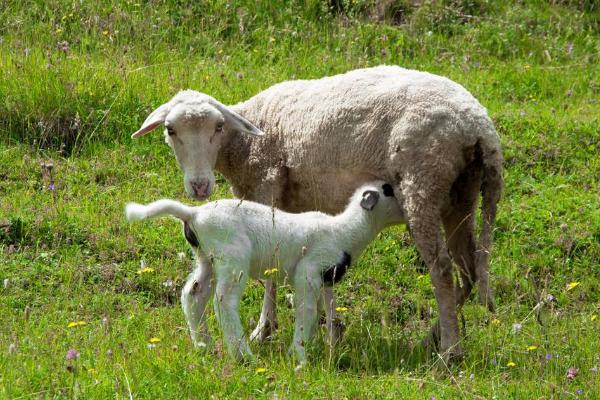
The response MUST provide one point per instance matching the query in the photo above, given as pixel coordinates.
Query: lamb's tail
(136, 212)
(491, 190)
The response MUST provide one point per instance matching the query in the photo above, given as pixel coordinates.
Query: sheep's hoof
(263, 331)
(336, 333)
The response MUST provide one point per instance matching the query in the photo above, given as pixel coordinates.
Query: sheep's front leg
(268, 315)
(307, 283)
(229, 287)
(194, 297)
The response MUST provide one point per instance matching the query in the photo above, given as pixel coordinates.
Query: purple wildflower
(572, 373)
(550, 298)
(72, 354)
(569, 48)
(51, 186)
(548, 357)
(579, 392)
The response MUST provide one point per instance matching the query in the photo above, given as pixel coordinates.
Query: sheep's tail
(491, 189)
(136, 212)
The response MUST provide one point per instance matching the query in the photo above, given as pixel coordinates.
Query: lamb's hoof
(263, 331)
(202, 346)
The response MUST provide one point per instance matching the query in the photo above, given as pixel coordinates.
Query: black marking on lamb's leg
(190, 236)
(336, 272)
(388, 190)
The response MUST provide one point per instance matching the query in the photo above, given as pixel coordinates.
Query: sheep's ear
(369, 200)
(156, 118)
(237, 122)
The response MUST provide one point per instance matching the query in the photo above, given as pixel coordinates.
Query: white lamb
(235, 239)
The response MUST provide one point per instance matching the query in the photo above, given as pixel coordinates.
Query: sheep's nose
(200, 189)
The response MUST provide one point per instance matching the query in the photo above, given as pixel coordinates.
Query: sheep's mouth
(200, 190)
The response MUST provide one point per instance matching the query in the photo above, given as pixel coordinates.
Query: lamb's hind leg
(268, 315)
(194, 296)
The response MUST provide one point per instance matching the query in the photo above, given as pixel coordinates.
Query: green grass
(68, 255)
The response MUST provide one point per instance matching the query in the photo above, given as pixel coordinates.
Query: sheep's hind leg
(194, 296)
(229, 287)
(425, 226)
(268, 315)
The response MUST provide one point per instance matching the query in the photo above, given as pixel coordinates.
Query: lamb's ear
(156, 118)
(237, 122)
(369, 200)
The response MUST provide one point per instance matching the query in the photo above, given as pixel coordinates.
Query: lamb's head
(380, 203)
(195, 125)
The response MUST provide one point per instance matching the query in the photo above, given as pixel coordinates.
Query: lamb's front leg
(230, 284)
(268, 315)
(307, 283)
(335, 327)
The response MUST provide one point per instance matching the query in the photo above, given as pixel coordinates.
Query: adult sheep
(323, 138)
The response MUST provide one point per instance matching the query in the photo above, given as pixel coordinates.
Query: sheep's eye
(170, 131)
(219, 127)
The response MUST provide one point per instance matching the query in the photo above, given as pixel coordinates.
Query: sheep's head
(194, 126)
(381, 203)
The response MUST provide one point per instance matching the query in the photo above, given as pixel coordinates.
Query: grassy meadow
(89, 304)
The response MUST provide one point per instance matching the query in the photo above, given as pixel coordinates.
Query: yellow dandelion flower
(261, 370)
(495, 321)
(531, 348)
(105, 33)
(145, 270)
(154, 340)
(511, 364)
(76, 323)
(594, 317)
(573, 285)
(271, 271)
(341, 309)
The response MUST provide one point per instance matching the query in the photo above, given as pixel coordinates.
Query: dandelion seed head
(516, 328)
